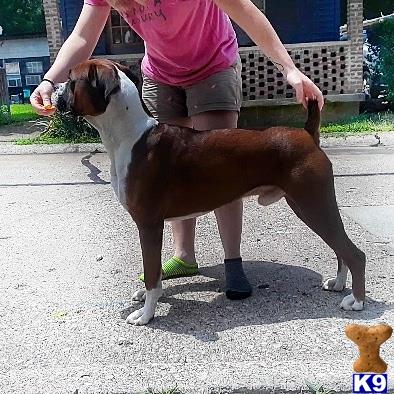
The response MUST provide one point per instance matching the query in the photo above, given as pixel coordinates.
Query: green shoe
(175, 268)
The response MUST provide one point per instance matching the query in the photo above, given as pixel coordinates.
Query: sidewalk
(70, 257)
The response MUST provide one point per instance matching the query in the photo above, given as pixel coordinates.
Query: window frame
(18, 81)
(30, 76)
(7, 65)
(34, 69)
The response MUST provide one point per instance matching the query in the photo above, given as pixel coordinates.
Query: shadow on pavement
(282, 293)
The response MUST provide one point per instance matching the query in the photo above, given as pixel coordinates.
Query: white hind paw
(349, 303)
(334, 284)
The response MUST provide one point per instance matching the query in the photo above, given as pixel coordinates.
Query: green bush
(68, 128)
(387, 55)
(5, 116)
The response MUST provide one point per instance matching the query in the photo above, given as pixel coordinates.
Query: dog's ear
(129, 74)
(137, 82)
(105, 78)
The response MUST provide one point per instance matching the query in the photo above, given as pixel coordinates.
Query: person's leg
(229, 217)
(184, 230)
(168, 105)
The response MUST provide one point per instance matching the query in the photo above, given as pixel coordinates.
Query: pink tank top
(186, 41)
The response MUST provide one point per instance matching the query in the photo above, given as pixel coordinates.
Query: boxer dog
(154, 166)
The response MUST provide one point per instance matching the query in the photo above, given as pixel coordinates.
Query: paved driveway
(63, 308)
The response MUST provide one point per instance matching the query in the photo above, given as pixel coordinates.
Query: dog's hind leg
(312, 197)
(338, 283)
(151, 238)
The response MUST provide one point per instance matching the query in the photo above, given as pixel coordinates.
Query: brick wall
(355, 36)
(325, 63)
(54, 29)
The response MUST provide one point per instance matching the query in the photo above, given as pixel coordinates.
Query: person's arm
(78, 47)
(260, 30)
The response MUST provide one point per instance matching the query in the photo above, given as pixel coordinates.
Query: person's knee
(219, 119)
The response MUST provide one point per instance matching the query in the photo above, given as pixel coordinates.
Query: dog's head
(90, 86)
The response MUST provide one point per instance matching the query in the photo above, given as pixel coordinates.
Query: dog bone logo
(369, 339)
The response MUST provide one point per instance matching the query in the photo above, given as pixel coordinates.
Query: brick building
(310, 30)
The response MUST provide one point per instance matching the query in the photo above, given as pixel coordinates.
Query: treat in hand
(49, 107)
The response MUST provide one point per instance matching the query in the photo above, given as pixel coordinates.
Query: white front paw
(144, 315)
(334, 284)
(140, 317)
(139, 295)
(349, 303)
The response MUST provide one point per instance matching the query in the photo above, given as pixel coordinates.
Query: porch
(335, 66)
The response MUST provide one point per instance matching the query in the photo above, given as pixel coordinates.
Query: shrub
(387, 55)
(5, 115)
(68, 128)
(381, 37)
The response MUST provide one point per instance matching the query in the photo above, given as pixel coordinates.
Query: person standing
(191, 77)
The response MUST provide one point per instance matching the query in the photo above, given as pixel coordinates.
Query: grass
(22, 113)
(361, 124)
(311, 388)
(61, 129)
(46, 140)
(318, 389)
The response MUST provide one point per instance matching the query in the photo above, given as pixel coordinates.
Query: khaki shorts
(220, 91)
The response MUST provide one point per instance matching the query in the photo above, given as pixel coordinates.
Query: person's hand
(304, 87)
(41, 99)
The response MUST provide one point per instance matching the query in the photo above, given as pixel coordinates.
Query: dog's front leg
(151, 238)
(339, 282)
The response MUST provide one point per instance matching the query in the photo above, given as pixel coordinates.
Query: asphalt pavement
(69, 260)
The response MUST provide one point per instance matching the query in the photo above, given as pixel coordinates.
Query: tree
(383, 38)
(22, 17)
(372, 8)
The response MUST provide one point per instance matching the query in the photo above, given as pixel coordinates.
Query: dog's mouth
(60, 99)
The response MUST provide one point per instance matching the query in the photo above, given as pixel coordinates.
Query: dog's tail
(312, 125)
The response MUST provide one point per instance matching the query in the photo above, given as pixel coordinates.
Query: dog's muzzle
(61, 99)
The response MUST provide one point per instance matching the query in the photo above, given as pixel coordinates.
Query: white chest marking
(121, 163)
(120, 127)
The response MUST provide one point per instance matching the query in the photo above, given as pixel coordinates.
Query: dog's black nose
(61, 104)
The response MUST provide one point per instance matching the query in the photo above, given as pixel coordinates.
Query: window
(121, 37)
(34, 67)
(13, 75)
(12, 68)
(33, 79)
(14, 82)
